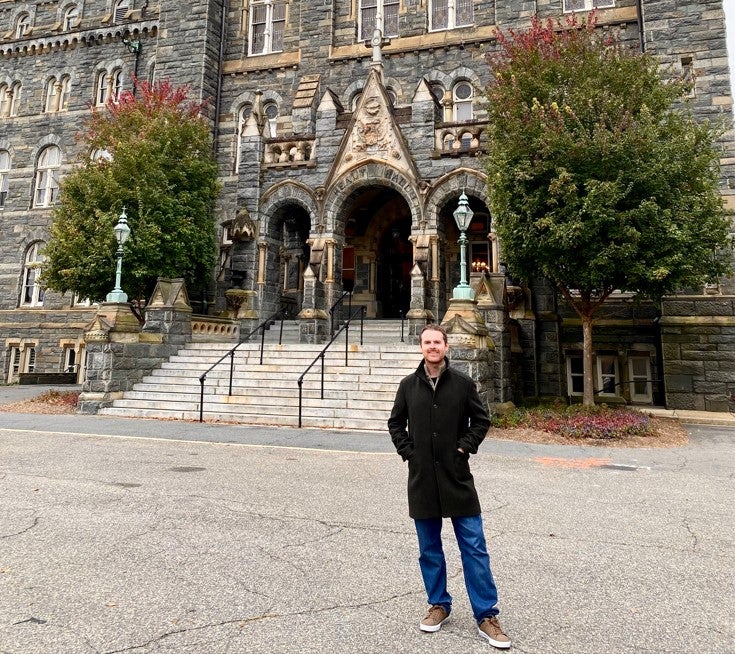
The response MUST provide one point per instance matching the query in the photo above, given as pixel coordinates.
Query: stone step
(356, 396)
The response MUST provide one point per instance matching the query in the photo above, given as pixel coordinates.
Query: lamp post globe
(122, 232)
(463, 216)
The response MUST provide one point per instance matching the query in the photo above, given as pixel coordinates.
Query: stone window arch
(47, 176)
(70, 18)
(22, 26)
(463, 94)
(32, 292)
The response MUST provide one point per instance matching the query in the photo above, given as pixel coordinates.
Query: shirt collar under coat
(423, 372)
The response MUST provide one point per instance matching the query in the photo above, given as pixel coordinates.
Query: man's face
(433, 346)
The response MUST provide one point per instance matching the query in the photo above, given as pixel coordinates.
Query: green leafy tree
(599, 178)
(150, 153)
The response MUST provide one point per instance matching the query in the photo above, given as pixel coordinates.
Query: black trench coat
(427, 427)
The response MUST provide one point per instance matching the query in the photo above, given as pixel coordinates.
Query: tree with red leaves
(150, 153)
(599, 178)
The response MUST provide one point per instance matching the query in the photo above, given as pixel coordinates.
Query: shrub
(581, 422)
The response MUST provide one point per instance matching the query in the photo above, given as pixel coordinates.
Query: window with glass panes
(575, 375)
(47, 177)
(369, 11)
(448, 14)
(607, 374)
(639, 372)
(32, 292)
(267, 23)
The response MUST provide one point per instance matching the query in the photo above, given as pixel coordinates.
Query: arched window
(57, 94)
(15, 91)
(22, 26)
(5, 98)
(4, 175)
(32, 292)
(71, 18)
(462, 96)
(271, 115)
(121, 9)
(109, 86)
(267, 24)
(47, 177)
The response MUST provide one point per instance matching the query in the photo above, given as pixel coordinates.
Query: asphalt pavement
(145, 536)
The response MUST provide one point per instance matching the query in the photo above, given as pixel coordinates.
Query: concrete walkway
(163, 537)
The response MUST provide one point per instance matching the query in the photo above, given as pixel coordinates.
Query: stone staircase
(357, 396)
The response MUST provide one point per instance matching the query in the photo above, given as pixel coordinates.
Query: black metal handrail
(281, 313)
(403, 318)
(344, 328)
(339, 303)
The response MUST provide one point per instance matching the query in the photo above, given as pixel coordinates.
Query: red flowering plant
(580, 422)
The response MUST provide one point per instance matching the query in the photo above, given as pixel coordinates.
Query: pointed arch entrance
(378, 255)
(292, 225)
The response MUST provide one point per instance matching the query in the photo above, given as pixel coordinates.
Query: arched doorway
(377, 255)
(293, 231)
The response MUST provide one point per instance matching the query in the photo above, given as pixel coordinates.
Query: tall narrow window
(9, 99)
(271, 115)
(109, 86)
(71, 18)
(267, 23)
(448, 14)
(639, 371)
(47, 177)
(5, 97)
(64, 93)
(22, 26)
(607, 374)
(32, 292)
(4, 175)
(575, 375)
(462, 96)
(121, 9)
(369, 10)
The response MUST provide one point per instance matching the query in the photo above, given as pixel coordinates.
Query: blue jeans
(478, 578)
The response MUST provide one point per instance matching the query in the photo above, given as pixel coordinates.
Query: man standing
(437, 421)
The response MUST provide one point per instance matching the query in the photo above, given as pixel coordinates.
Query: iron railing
(281, 314)
(344, 328)
(336, 309)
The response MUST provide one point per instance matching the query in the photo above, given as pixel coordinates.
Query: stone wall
(698, 337)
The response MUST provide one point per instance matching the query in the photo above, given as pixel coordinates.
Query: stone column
(313, 319)
(471, 349)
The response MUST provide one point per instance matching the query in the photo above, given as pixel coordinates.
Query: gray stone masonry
(698, 341)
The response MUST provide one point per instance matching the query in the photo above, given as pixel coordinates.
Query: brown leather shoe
(435, 617)
(491, 631)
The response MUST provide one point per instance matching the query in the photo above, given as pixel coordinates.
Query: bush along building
(348, 133)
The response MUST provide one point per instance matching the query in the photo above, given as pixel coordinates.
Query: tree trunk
(589, 377)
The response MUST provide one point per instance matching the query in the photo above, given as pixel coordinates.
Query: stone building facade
(346, 132)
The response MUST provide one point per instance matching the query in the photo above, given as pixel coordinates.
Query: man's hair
(434, 327)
